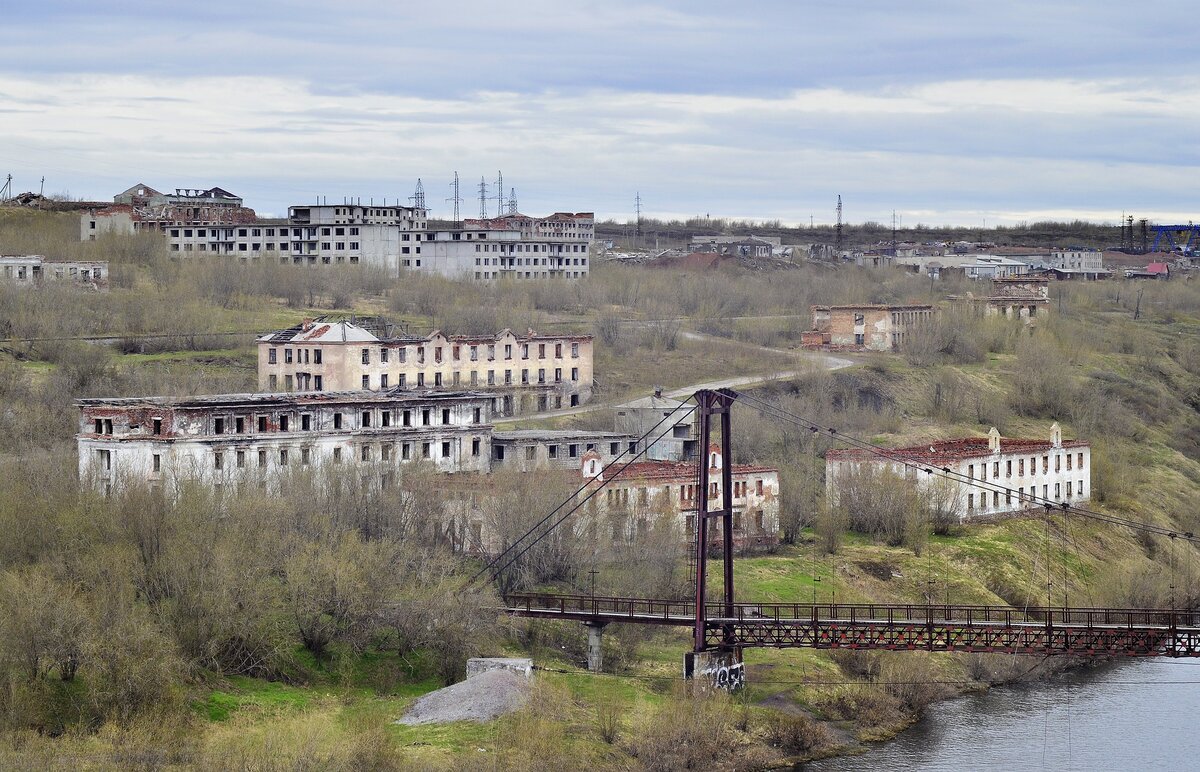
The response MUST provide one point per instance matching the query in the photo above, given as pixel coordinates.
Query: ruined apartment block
(870, 327)
(629, 505)
(34, 270)
(526, 373)
(668, 426)
(1033, 470)
(201, 223)
(239, 439)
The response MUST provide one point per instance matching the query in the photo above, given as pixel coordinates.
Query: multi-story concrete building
(526, 372)
(31, 270)
(668, 425)
(528, 450)
(873, 327)
(394, 238)
(239, 438)
(1020, 474)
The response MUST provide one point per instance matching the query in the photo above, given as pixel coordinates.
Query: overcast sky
(948, 112)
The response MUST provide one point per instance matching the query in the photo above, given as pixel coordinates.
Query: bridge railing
(645, 609)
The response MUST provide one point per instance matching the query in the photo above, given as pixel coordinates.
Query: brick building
(1054, 469)
(871, 327)
(1018, 297)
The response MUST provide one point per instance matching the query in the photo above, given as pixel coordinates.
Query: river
(1127, 715)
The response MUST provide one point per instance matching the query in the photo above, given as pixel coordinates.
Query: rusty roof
(947, 451)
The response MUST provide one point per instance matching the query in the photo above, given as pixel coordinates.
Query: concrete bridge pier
(595, 649)
(715, 669)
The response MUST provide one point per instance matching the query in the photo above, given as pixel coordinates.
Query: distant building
(739, 246)
(872, 327)
(524, 372)
(992, 267)
(394, 238)
(1031, 470)
(32, 270)
(629, 505)
(1151, 271)
(529, 450)
(668, 424)
(240, 439)
(1018, 297)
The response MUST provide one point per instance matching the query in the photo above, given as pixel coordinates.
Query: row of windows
(561, 248)
(555, 262)
(1073, 489)
(473, 379)
(1008, 466)
(500, 452)
(308, 422)
(531, 274)
(310, 232)
(456, 351)
(269, 247)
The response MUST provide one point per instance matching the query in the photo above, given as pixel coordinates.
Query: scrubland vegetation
(241, 631)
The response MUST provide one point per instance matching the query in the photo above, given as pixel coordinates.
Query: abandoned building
(529, 450)
(1031, 470)
(32, 270)
(1017, 297)
(668, 425)
(527, 373)
(648, 490)
(199, 223)
(870, 327)
(239, 438)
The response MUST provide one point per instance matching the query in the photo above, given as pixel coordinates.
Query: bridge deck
(939, 627)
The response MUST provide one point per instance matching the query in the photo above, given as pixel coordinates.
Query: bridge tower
(720, 663)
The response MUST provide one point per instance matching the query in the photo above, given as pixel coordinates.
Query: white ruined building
(235, 439)
(392, 237)
(1031, 470)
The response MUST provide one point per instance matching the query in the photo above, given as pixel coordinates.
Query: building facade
(235, 439)
(668, 425)
(1018, 297)
(1020, 474)
(526, 373)
(529, 450)
(872, 327)
(393, 238)
(630, 503)
(32, 270)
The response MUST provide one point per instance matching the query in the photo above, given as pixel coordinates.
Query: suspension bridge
(723, 628)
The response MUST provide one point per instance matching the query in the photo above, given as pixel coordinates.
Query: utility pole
(1137, 311)
(6, 191)
(637, 208)
(457, 199)
(42, 188)
(483, 188)
(893, 233)
(838, 244)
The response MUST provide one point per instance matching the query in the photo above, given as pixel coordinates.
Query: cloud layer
(767, 111)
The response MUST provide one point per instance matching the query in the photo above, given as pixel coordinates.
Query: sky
(963, 113)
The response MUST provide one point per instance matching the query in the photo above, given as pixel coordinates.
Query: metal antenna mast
(418, 196)
(893, 233)
(637, 208)
(499, 193)
(483, 188)
(457, 199)
(838, 247)
(512, 201)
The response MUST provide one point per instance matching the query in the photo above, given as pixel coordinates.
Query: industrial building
(1032, 470)
(1017, 297)
(525, 373)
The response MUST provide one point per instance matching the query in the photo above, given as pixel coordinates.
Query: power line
(607, 479)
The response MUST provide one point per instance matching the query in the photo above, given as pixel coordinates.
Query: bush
(796, 734)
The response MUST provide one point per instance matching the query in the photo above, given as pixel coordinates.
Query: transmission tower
(457, 199)
(512, 201)
(499, 193)
(637, 208)
(483, 188)
(838, 247)
(893, 233)
(418, 196)
(6, 191)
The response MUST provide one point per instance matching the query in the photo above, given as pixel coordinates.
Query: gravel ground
(480, 698)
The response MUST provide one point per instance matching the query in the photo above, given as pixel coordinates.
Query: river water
(1141, 714)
